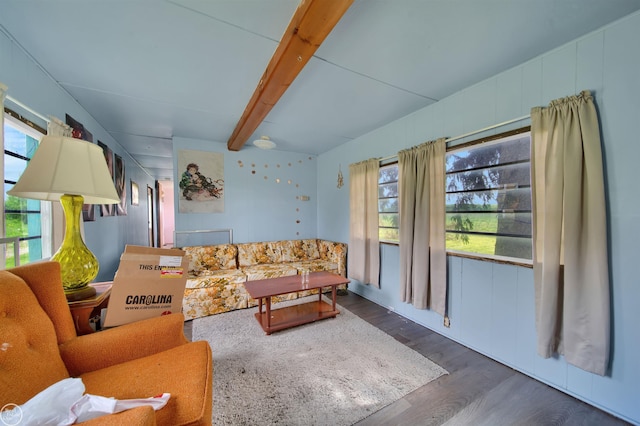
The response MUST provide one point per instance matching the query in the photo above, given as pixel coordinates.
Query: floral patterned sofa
(217, 273)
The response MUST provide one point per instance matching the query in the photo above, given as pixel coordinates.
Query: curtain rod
(26, 108)
(484, 129)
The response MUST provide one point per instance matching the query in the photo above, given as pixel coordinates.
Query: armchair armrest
(122, 344)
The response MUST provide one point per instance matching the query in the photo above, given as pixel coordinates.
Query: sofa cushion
(211, 258)
(263, 271)
(214, 292)
(202, 302)
(316, 265)
(294, 250)
(250, 254)
(211, 278)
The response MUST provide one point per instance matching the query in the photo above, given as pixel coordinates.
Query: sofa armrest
(334, 252)
(139, 416)
(124, 343)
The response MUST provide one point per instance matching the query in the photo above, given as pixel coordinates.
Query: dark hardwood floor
(477, 391)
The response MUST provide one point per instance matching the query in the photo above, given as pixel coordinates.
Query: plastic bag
(63, 403)
(49, 407)
(92, 406)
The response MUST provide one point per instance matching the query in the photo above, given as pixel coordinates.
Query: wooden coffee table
(291, 316)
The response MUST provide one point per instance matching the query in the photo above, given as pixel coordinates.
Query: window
(23, 218)
(388, 203)
(489, 197)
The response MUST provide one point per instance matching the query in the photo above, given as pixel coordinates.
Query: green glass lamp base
(80, 293)
(78, 266)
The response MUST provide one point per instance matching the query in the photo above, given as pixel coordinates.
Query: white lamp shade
(63, 165)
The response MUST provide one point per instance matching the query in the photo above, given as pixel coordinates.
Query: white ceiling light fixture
(264, 143)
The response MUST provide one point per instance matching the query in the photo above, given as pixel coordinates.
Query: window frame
(380, 213)
(25, 126)
(463, 145)
(487, 140)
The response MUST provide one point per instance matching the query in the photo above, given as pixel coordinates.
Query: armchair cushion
(28, 349)
(124, 343)
(139, 416)
(188, 386)
(43, 278)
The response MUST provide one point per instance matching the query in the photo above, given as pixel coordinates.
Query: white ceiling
(149, 70)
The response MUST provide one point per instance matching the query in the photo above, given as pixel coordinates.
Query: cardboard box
(149, 282)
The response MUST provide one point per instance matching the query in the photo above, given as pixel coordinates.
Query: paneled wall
(492, 305)
(106, 236)
(263, 193)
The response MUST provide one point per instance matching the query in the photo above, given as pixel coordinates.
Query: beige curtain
(569, 233)
(364, 246)
(423, 256)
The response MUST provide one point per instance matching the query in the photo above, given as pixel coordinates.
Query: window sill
(492, 258)
(482, 257)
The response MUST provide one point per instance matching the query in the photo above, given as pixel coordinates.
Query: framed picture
(121, 188)
(78, 130)
(134, 193)
(201, 180)
(107, 209)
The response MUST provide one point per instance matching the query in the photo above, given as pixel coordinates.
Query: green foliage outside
(15, 223)
(24, 254)
(481, 244)
(16, 226)
(479, 222)
(387, 234)
(481, 181)
(388, 227)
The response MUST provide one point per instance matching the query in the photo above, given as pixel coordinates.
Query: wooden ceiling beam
(308, 28)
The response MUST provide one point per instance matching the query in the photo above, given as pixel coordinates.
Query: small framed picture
(134, 193)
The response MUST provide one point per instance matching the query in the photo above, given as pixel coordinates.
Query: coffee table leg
(268, 303)
(333, 297)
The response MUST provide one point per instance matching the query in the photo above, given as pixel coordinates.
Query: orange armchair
(39, 347)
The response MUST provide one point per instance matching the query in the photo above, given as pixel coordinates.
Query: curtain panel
(423, 256)
(570, 261)
(364, 245)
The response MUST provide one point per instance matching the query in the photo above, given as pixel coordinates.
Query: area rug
(332, 372)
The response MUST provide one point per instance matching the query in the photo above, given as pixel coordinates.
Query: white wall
(492, 305)
(106, 236)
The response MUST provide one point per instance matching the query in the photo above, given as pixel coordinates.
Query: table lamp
(74, 172)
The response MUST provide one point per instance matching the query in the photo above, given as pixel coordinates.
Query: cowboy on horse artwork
(196, 186)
